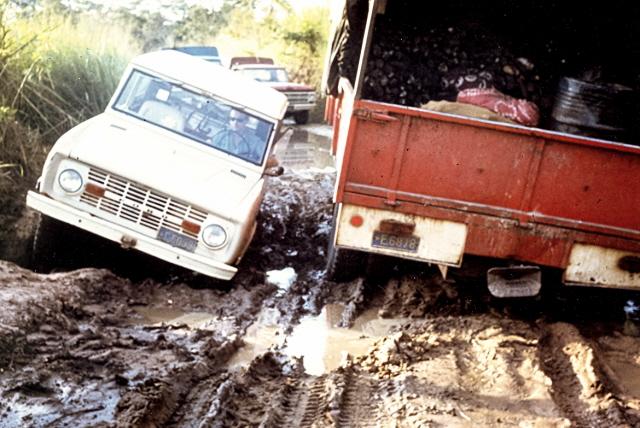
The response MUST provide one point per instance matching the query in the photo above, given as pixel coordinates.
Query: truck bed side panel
(518, 173)
(588, 184)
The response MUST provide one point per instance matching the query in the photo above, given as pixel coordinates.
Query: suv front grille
(298, 97)
(140, 205)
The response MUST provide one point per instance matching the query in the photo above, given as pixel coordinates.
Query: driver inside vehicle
(239, 139)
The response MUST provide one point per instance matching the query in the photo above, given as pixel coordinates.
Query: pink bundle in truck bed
(522, 111)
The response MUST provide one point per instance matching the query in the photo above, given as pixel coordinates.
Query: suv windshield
(266, 74)
(207, 120)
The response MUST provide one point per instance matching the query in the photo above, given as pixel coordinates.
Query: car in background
(208, 53)
(302, 98)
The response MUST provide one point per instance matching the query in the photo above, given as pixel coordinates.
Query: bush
(298, 43)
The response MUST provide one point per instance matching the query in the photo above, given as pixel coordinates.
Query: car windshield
(266, 74)
(207, 120)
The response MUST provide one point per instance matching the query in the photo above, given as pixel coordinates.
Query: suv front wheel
(301, 117)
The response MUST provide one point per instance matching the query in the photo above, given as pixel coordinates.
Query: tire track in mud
(581, 388)
(343, 398)
(312, 403)
(271, 392)
(360, 403)
(202, 408)
(157, 400)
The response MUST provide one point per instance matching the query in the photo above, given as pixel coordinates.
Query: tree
(201, 24)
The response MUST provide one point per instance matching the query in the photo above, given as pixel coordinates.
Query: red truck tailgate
(429, 161)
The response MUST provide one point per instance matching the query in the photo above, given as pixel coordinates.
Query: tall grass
(70, 70)
(54, 73)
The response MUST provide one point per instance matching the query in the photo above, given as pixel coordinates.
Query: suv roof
(208, 53)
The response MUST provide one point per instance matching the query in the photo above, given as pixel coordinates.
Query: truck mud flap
(518, 281)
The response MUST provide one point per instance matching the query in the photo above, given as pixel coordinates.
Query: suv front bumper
(129, 238)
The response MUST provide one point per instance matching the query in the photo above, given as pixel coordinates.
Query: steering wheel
(241, 148)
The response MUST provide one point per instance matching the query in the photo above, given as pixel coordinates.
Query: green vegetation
(298, 42)
(55, 71)
(59, 65)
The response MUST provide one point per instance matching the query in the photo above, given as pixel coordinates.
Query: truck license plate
(177, 240)
(395, 242)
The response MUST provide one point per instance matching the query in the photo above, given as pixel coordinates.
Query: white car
(148, 173)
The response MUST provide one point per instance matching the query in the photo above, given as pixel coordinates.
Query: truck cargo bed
(526, 194)
(432, 186)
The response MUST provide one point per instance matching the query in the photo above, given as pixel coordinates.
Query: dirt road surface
(281, 346)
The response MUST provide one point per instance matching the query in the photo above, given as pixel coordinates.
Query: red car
(302, 98)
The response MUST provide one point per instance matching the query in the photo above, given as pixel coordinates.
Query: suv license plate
(177, 240)
(394, 242)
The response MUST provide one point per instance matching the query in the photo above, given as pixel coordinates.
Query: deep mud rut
(409, 349)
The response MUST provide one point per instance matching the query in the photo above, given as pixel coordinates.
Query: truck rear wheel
(342, 264)
(301, 117)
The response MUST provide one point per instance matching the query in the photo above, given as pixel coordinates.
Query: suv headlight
(214, 235)
(70, 180)
(312, 98)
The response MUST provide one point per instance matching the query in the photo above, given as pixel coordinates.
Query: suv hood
(169, 164)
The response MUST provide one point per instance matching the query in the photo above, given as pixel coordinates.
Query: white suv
(159, 171)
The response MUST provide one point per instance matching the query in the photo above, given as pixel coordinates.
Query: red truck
(438, 188)
(301, 97)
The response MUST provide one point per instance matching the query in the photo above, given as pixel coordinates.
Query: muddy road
(280, 346)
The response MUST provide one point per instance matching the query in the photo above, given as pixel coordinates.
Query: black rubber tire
(343, 264)
(47, 252)
(301, 117)
(379, 268)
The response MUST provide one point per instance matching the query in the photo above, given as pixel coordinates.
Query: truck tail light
(356, 220)
(630, 264)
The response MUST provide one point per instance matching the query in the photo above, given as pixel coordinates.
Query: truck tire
(301, 117)
(342, 264)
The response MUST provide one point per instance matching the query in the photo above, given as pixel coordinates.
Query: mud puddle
(158, 317)
(318, 341)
